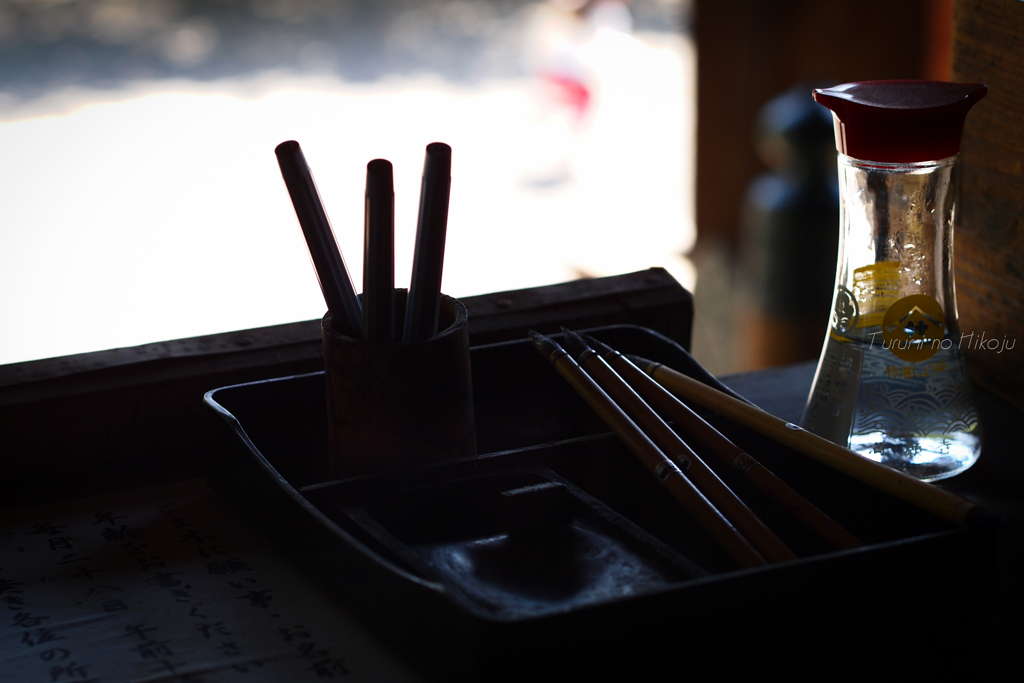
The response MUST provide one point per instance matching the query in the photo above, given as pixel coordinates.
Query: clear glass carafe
(891, 382)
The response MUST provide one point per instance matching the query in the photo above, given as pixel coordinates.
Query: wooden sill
(110, 420)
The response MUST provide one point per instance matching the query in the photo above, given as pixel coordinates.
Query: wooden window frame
(98, 422)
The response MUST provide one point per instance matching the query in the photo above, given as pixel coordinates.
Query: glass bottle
(891, 382)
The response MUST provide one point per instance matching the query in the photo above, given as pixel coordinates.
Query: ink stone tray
(556, 551)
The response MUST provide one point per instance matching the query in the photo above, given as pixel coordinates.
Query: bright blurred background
(140, 199)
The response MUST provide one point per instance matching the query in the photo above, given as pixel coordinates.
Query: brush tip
(574, 343)
(597, 345)
(547, 347)
(539, 340)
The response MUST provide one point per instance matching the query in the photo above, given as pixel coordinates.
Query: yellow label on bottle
(876, 288)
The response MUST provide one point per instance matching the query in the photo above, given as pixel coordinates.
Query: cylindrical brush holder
(398, 405)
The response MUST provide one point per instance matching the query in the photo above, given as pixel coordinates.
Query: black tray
(597, 570)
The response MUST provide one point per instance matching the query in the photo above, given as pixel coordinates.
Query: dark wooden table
(996, 481)
(117, 562)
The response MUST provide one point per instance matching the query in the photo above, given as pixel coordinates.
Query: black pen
(329, 264)
(379, 252)
(428, 260)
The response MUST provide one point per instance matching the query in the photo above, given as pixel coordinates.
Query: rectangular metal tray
(467, 588)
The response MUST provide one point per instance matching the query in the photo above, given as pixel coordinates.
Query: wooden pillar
(748, 51)
(988, 46)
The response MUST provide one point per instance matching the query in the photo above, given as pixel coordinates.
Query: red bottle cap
(900, 121)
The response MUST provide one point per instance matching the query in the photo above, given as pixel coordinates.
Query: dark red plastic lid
(900, 121)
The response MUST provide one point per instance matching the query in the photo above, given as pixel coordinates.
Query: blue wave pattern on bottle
(916, 417)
